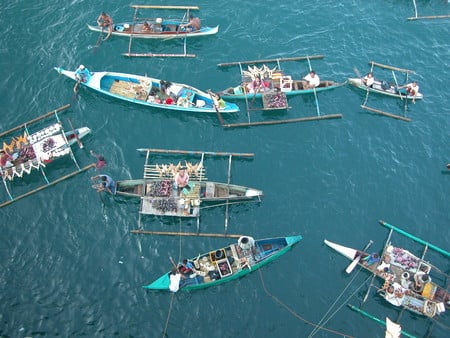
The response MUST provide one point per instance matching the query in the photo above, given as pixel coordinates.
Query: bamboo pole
(300, 119)
(175, 233)
(194, 152)
(414, 238)
(165, 7)
(295, 58)
(35, 120)
(379, 321)
(386, 114)
(92, 165)
(391, 67)
(429, 17)
(150, 55)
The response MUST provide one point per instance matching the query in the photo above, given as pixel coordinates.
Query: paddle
(76, 135)
(355, 261)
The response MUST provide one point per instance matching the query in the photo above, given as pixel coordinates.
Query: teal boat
(225, 264)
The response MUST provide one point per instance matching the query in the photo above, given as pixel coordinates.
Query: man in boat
(82, 74)
(107, 184)
(368, 79)
(6, 160)
(412, 89)
(193, 24)
(105, 21)
(181, 179)
(311, 80)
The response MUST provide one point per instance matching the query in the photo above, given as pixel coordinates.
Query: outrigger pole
(414, 238)
(379, 321)
(386, 113)
(417, 17)
(174, 233)
(373, 63)
(194, 152)
(295, 58)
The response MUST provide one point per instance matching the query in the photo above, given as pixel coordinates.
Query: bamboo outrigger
(389, 89)
(428, 17)
(158, 29)
(29, 152)
(409, 281)
(276, 89)
(160, 197)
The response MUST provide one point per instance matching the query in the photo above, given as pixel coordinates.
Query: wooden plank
(92, 165)
(23, 125)
(193, 152)
(429, 17)
(170, 233)
(295, 58)
(386, 113)
(391, 67)
(300, 119)
(151, 55)
(165, 7)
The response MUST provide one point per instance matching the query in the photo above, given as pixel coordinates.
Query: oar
(358, 74)
(80, 144)
(172, 261)
(355, 262)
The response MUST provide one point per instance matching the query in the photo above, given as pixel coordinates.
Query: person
(105, 21)
(101, 162)
(146, 27)
(107, 184)
(5, 159)
(175, 277)
(186, 268)
(256, 85)
(368, 79)
(412, 89)
(311, 80)
(82, 74)
(181, 179)
(193, 24)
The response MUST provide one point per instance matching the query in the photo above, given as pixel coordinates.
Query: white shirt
(174, 282)
(313, 81)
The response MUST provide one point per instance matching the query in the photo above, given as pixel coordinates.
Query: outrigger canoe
(164, 29)
(159, 197)
(272, 80)
(33, 151)
(225, 264)
(408, 279)
(152, 92)
(385, 88)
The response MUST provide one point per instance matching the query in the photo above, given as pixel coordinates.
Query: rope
(296, 314)
(340, 307)
(173, 293)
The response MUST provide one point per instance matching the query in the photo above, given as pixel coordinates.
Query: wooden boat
(26, 152)
(162, 199)
(152, 92)
(158, 27)
(166, 29)
(385, 88)
(409, 281)
(225, 264)
(31, 152)
(159, 196)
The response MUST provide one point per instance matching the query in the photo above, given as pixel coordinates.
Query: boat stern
(162, 283)
(292, 240)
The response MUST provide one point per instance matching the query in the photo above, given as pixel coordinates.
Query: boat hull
(167, 31)
(229, 263)
(160, 198)
(295, 88)
(378, 88)
(148, 91)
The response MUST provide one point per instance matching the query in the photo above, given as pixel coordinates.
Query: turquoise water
(71, 267)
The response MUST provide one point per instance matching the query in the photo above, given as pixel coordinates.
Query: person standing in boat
(105, 21)
(181, 179)
(107, 184)
(311, 80)
(193, 24)
(368, 79)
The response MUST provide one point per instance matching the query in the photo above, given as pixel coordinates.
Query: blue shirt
(109, 183)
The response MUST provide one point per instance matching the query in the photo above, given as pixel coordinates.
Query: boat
(159, 197)
(25, 152)
(385, 88)
(152, 92)
(224, 264)
(158, 27)
(409, 281)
